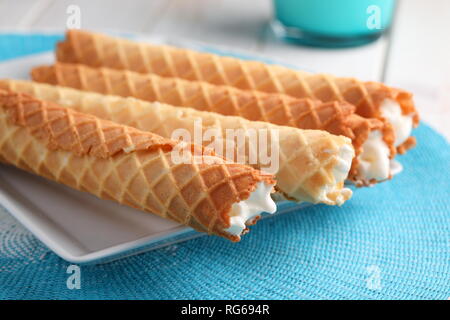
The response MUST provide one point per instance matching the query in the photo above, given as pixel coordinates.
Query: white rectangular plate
(77, 226)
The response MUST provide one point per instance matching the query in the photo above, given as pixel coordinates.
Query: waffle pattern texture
(121, 163)
(335, 117)
(100, 50)
(390, 242)
(307, 159)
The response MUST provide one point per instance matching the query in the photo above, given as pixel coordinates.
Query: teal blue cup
(332, 23)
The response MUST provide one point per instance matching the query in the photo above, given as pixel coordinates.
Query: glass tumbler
(332, 23)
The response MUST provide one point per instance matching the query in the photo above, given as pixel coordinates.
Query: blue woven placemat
(389, 242)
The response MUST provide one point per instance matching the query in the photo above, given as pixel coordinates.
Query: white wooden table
(415, 56)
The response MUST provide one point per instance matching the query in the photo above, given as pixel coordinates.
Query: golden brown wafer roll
(335, 117)
(312, 164)
(372, 99)
(132, 167)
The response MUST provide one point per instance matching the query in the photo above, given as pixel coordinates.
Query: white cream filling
(245, 211)
(402, 124)
(340, 173)
(396, 167)
(345, 157)
(374, 162)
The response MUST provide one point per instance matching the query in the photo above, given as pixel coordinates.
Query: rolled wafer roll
(335, 117)
(372, 99)
(310, 165)
(132, 167)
